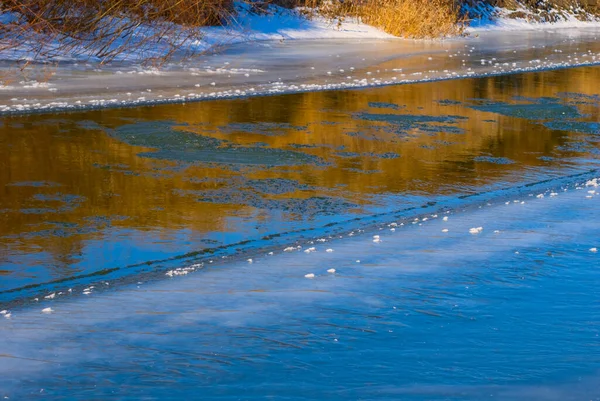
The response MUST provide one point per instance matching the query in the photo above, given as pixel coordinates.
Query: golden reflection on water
(66, 180)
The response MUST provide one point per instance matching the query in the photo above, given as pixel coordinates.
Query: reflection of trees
(115, 182)
(109, 176)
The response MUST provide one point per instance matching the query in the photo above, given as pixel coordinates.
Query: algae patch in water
(579, 147)
(580, 98)
(409, 120)
(62, 229)
(384, 105)
(301, 207)
(59, 203)
(262, 128)
(178, 145)
(584, 127)
(556, 113)
(448, 102)
(349, 155)
(35, 184)
(402, 124)
(352, 155)
(535, 109)
(276, 186)
(494, 160)
(63, 198)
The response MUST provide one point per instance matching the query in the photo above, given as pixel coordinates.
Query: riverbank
(282, 50)
(151, 32)
(276, 67)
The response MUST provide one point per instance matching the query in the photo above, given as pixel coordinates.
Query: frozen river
(430, 241)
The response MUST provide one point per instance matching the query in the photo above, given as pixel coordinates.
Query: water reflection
(85, 191)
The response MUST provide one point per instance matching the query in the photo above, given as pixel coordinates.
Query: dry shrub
(412, 18)
(405, 18)
(106, 28)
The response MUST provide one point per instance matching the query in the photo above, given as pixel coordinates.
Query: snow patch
(485, 17)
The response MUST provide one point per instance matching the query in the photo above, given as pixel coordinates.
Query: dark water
(104, 189)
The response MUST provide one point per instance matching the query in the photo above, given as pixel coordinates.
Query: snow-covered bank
(274, 67)
(449, 305)
(276, 24)
(504, 23)
(272, 23)
(523, 17)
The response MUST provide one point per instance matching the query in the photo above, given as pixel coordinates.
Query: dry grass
(412, 18)
(404, 18)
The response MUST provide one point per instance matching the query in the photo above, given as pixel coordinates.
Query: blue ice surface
(510, 313)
